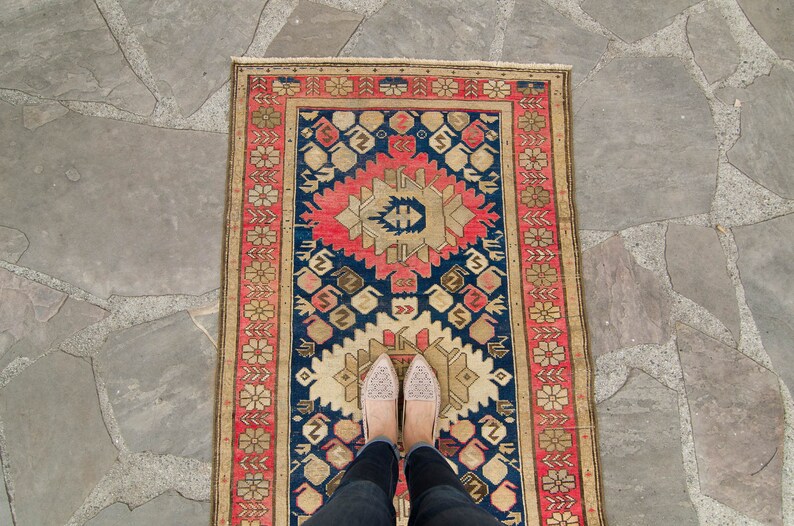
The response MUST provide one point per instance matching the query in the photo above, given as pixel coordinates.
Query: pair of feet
(421, 402)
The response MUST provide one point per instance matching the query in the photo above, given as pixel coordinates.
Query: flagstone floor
(112, 167)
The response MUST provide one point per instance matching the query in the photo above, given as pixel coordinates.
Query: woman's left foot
(379, 394)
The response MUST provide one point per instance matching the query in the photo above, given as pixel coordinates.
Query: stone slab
(57, 444)
(314, 30)
(625, 303)
(114, 207)
(645, 145)
(538, 33)
(440, 29)
(188, 43)
(642, 467)
(64, 50)
(737, 424)
(698, 270)
(634, 19)
(73, 316)
(716, 52)
(766, 264)
(5, 505)
(13, 244)
(35, 115)
(765, 150)
(169, 509)
(772, 19)
(160, 378)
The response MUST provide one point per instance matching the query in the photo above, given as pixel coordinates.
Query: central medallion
(399, 212)
(402, 215)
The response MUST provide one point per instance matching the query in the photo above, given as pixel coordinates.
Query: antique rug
(403, 207)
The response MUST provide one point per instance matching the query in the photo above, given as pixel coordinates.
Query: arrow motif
(264, 136)
(263, 176)
(497, 349)
(531, 103)
(313, 86)
(531, 139)
(252, 509)
(420, 86)
(561, 502)
(403, 309)
(259, 329)
(448, 447)
(539, 254)
(536, 218)
(552, 375)
(557, 460)
(258, 83)
(552, 419)
(513, 518)
(403, 144)
(259, 291)
(253, 463)
(546, 333)
(265, 98)
(260, 253)
(306, 348)
(533, 178)
(262, 217)
(366, 86)
(255, 418)
(543, 293)
(305, 406)
(471, 88)
(254, 374)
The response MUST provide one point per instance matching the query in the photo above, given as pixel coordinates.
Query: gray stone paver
(538, 33)
(716, 52)
(49, 454)
(637, 119)
(639, 434)
(642, 172)
(626, 302)
(441, 29)
(75, 206)
(166, 510)
(160, 381)
(696, 264)
(188, 43)
(766, 265)
(737, 464)
(765, 150)
(634, 19)
(64, 50)
(314, 30)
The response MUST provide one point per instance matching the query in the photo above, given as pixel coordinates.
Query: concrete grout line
(273, 18)
(5, 472)
(106, 408)
(128, 43)
(788, 455)
(505, 8)
(56, 284)
(137, 478)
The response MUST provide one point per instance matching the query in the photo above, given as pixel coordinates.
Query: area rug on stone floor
(403, 207)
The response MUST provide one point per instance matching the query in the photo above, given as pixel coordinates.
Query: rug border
(593, 496)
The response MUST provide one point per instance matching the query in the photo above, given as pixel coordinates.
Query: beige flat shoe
(381, 383)
(421, 384)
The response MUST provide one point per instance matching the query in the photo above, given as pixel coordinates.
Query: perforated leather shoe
(381, 383)
(421, 384)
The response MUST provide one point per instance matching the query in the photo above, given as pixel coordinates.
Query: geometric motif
(403, 209)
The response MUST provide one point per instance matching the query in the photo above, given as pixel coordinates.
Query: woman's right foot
(422, 400)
